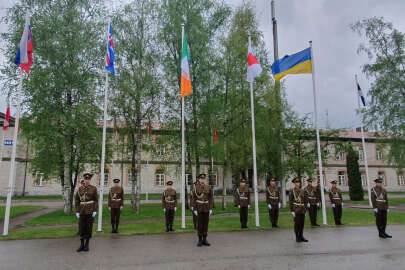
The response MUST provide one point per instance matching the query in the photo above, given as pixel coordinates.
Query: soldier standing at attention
(86, 203)
(169, 204)
(273, 202)
(312, 201)
(380, 204)
(203, 204)
(297, 207)
(335, 196)
(115, 204)
(192, 206)
(243, 202)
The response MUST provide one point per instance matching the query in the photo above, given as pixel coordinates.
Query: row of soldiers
(202, 202)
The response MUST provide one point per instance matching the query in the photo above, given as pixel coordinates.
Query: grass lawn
(18, 210)
(391, 201)
(148, 211)
(351, 217)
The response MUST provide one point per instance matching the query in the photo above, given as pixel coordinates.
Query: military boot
(302, 238)
(199, 244)
(86, 245)
(381, 233)
(297, 238)
(205, 242)
(81, 245)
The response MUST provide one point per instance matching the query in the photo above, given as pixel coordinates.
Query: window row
(340, 154)
(343, 180)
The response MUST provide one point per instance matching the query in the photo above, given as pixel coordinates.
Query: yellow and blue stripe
(298, 63)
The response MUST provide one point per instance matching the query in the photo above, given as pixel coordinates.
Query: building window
(160, 177)
(381, 175)
(339, 155)
(361, 153)
(401, 179)
(363, 179)
(106, 175)
(342, 178)
(215, 177)
(39, 179)
(160, 150)
(379, 154)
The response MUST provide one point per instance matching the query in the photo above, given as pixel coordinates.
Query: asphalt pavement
(341, 248)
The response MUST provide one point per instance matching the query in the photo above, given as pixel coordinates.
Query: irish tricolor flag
(185, 88)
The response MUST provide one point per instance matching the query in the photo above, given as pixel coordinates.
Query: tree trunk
(67, 191)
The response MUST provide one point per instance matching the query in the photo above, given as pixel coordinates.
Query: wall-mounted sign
(8, 142)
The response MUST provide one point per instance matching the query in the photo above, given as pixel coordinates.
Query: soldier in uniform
(380, 204)
(86, 203)
(203, 204)
(192, 206)
(335, 197)
(298, 210)
(169, 204)
(243, 202)
(312, 201)
(273, 202)
(115, 204)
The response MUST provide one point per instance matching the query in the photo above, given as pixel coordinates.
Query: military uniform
(192, 207)
(169, 204)
(335, 197)
(380, 204)
(298, 210)
(312, 202)
(243, 203)
(203, 204)
(86, 203)
(115, 204)
(273, 203)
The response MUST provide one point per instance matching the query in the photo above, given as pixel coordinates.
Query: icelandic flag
(23, 59)
(254, 68)
(361, 95)
(109, 64)
(6, 122)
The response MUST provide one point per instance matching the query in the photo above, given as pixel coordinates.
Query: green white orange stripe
(185, 87)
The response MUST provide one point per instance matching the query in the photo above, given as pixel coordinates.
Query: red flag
(6, 122)
(254, 68)
(214, 136)
(214, 133)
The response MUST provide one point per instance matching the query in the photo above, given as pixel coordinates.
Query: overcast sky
(326, 23)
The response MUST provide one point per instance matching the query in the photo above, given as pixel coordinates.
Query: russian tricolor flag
(23, 59)
(109, 65)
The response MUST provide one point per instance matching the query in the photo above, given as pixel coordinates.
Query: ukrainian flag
(298, 63)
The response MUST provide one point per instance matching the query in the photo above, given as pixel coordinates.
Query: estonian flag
(361, 95)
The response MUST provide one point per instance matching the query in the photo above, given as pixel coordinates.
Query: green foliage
(60, 92)
(385, 48)
(356, 192)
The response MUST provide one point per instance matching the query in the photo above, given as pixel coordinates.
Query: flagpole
(102, 176)
(252, 108)
(183, 153)
(364, 145)
(11, 177)
(2, 145)
(318, 139)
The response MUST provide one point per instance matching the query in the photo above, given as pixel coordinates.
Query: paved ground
(345, 248)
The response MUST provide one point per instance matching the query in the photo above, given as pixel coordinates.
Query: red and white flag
(6, 122)
(254, 68)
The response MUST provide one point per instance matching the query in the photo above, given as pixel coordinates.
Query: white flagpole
(252, 108)
(11, 177)
(102, 176)
(318, 139)
(364, 145)
(183, 153)
(1, 147)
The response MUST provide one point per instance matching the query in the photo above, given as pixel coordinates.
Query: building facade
(159, 167)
